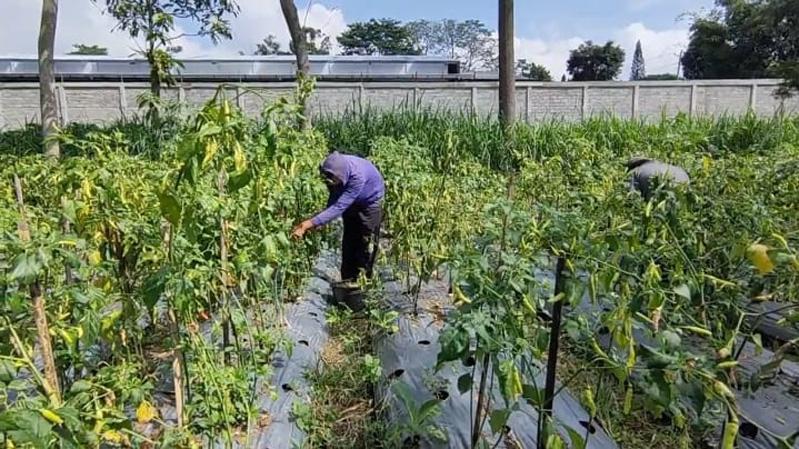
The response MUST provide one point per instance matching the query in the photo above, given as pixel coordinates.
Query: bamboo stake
(51, 385)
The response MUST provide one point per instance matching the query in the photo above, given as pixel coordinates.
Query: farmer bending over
(645, 171)
(356, 194)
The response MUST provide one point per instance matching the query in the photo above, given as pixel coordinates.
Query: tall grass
(141, 138)
(481, 137)
(485, 139)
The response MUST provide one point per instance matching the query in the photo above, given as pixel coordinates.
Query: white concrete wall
(536, 101)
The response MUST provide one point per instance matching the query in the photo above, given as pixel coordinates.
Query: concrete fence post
(238, 97)
(2, 114)
(636, 101)
(584, 103)
(528, 97)
(473, 100)
(181, 95)
(416, 97)
(63, 107)
(360, 95)
(692, 102)
(753, 97)
(123, 101)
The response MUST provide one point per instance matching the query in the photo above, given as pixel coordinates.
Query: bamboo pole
(51, 384)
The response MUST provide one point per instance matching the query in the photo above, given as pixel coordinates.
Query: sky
(545, 31)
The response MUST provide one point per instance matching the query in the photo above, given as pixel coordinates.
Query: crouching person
(645, 171)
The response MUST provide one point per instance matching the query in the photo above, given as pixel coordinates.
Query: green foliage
(532, 71)
(665, 270)
(119, 240)
(638, 70)
(317, 43)
(745, 40)
(593, 62)
(155, 21)
(377, 37)
(90, 50)
(469, 41)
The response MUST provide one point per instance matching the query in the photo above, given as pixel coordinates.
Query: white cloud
(82, 21)
(79, 22)
(552, 54)
(259, 18)
(661, 49)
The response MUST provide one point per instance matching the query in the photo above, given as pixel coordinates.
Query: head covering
(637, 161)
(335, 165)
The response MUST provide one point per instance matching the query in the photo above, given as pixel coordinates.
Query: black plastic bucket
(348, 294)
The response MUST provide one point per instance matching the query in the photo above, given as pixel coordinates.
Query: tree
(89, 50)
(473, 43)
(532, 71)
(637, 70)
(742, 39)
(470, 41)
(590, 62)
(709, 54)
(377, 37)
(425, 36)
(297, 36)
(563, 78)
(316, 42)
(155, 21)
(269, 46)
(48, 107)
(48, 103)
(299, 47)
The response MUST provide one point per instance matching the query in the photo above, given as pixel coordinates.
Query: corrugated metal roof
(243, 67)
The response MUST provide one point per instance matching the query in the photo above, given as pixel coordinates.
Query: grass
(342, 413)
(484, 138)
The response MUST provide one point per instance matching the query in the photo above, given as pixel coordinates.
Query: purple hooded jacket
(361, 185)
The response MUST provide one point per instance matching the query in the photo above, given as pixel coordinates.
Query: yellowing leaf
(145, 412)
(95, 258)
(758, 255)
(86, 189)
(113, 436)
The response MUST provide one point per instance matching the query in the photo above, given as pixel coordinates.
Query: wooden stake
(68, 278)
(51, 384)
(552, 356)
(507, 72)
(177, 369)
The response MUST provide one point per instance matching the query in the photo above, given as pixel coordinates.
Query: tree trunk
(47, 96)
(51, 387)
(507, 80)
(297, 35)
(300, 46)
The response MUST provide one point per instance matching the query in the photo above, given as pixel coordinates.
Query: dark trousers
(361, 227)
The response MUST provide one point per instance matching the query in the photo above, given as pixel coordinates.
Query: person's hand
(299, 231)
